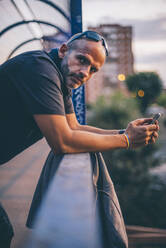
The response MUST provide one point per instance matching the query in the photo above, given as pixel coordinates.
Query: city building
(119, 63)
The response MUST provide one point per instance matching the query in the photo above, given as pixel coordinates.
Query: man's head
(82, 56)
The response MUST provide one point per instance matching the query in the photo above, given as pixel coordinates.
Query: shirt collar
(55, 57)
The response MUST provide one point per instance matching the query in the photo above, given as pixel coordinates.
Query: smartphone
(155, 117)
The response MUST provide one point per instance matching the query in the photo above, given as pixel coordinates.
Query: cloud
(150, 59)
(143, 29)
(150, 29)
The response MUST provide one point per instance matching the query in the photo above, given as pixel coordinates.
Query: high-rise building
(94, 87)
(118, 64)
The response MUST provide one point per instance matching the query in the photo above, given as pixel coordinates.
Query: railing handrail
(140, 235)
(142, 229)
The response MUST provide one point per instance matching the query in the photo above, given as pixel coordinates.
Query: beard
(72, 80)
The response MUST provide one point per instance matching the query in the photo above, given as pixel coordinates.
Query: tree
(161, 100)
(113, 112)
(146, 86)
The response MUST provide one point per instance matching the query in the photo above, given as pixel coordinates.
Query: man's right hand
(141, 133)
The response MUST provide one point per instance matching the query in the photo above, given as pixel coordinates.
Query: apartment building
(118, 64)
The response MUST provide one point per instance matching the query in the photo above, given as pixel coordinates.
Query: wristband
(122, 131)
(127, 140)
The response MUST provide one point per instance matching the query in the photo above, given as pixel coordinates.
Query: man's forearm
(83, 141)
(65, 138)
(97, 130)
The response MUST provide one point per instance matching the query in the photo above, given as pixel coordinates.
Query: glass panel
(12, 12)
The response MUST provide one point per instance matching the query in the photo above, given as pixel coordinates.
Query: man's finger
(152, 127)
(155, 135)
(152, 140)
(142, 121)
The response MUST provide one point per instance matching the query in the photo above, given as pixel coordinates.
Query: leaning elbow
(62, 144)
(62, 149)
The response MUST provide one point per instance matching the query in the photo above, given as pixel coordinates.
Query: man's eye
(93, 70)
(82, 60)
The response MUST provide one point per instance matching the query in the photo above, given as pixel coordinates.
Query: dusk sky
(148, 19)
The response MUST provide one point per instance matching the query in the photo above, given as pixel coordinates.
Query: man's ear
(62, 50)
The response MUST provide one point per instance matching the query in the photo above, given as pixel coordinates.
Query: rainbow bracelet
(127, 140)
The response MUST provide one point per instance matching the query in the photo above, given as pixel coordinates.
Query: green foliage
(141, 195)
(114, 112)
(161, 100)
(138, 191)
(146, 86)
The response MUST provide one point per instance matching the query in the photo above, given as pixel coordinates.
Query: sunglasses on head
(91, 35)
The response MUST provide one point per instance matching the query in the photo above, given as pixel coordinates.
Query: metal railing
(146, 237)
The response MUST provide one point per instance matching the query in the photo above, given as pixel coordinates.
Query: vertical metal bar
(76, 27)
(76, 16)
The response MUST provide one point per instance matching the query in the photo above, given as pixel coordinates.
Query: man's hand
(141, 133)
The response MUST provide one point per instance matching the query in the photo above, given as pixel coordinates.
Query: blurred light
(121, 77)
(141, 93)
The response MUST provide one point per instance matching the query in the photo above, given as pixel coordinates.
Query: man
(35, 101)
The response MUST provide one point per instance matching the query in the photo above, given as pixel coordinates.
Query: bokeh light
(121, 77)
(141, 93)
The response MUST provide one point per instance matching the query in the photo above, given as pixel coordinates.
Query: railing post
(76, 27)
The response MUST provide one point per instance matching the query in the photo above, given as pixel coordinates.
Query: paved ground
(18, 179)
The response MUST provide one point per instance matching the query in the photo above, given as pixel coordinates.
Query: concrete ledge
(67, 217)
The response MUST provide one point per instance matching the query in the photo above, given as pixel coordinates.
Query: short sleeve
(69, 109)
(37, 81)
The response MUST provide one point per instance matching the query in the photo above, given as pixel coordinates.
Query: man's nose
(84, 72)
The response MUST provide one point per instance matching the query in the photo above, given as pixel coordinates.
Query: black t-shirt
(30, 83)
